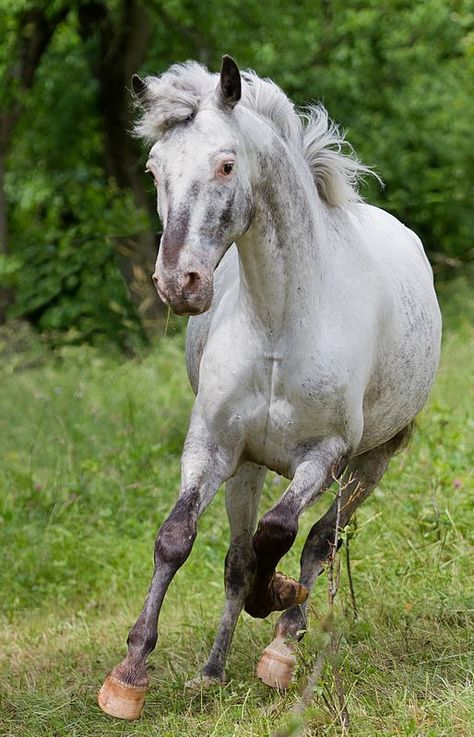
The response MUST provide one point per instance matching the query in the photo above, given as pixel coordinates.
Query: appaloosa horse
(317, 342)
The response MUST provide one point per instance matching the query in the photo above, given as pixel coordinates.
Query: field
(90, 467)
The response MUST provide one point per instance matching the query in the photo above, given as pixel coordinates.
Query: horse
(313, 342)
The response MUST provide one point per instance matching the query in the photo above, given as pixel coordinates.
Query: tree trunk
(34, 32)
(122, 49)
(5, 292)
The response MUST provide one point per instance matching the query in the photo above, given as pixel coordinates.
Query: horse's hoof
(283, 593)
(202, 682)
(288, 592)
(277, 664)
(121, 700)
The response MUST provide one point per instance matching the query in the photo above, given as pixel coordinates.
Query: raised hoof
(288, 592)
(277, 664)
(121, 700)
(202, 682)
(282, 593)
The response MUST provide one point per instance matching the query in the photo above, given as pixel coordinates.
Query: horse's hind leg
(242, 495)
(362, 475)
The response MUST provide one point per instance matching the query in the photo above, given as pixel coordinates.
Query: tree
(28, 33)
(396, 75)
(121, 39)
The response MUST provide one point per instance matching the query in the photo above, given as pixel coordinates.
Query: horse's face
(204, 201)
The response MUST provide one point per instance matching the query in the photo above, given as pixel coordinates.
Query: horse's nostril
(191, 281)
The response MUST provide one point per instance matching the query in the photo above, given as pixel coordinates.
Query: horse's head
(202, 180)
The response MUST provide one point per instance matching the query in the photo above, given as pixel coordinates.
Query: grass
(91, 446)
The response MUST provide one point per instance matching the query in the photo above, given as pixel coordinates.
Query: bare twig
(334, 571)
(338, 708)
(355, 610)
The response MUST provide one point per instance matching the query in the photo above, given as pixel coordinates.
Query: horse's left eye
(227, 167)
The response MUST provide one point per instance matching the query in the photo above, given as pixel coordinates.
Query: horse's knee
(176, 536)
(274, 537)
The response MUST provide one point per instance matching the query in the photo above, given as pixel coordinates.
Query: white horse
(317, 345)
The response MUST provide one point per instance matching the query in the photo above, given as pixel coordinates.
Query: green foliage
(67, 221)
(397, 76)
(67, 277)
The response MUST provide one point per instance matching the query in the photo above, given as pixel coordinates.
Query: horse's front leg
(277, 529)
(242, 495)
(204, 467)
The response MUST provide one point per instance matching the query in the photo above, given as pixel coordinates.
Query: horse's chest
(298, 400)
(272, 404)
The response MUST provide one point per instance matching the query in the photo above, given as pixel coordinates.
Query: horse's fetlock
(138, 639)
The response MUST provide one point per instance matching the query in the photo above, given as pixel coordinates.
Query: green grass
(90, 466)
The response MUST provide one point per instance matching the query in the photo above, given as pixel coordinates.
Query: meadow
(91, 443)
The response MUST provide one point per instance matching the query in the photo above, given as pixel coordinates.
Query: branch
(296, 722)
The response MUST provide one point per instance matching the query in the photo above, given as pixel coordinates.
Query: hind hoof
(277, 664)
(121, 700)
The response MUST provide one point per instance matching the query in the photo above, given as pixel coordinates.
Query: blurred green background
(77, 215)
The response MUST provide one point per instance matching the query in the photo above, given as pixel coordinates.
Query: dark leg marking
(204, 467)
(242, 498)
(173, 545)
(274, 537)
(278, 528)
(366, 471)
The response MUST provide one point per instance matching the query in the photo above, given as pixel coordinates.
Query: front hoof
(277, 664)
(288, 592)
(120, 699)
(202, 683)
(281, 593)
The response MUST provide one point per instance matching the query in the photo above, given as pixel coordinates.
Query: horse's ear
(229, 90)
(139, 87)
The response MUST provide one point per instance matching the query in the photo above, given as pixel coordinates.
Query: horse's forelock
(172, 98)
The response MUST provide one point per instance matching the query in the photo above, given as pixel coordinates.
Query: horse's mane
(176, 96)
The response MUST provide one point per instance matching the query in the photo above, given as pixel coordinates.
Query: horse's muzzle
(188, 293)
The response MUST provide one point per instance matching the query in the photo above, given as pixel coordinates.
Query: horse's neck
(281, 255)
